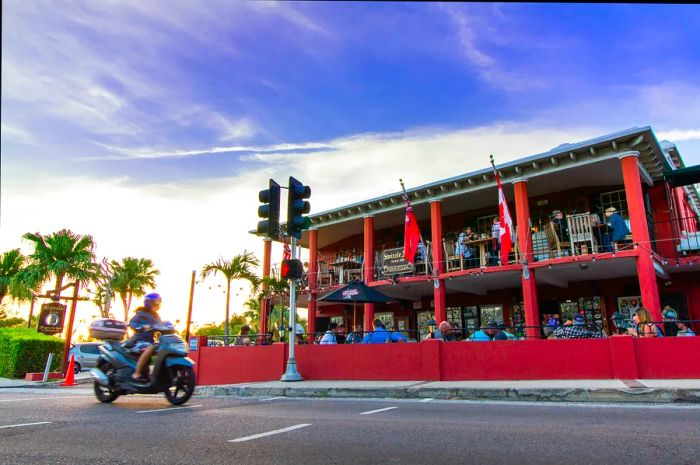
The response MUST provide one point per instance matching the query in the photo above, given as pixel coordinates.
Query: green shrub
(25, 351)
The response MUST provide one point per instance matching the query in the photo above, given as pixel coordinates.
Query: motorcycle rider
(142, 322)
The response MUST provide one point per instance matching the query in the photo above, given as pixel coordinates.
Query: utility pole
(189, 308)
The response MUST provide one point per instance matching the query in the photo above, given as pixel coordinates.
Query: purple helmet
(150, 299)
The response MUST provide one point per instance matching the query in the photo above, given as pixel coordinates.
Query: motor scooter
(173, 372)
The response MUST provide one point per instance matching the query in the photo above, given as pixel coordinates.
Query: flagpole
(420, 234)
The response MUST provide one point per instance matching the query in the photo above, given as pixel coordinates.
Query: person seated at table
(448, 331)
(486, 333)
(355, 337)
(576, 330)
(618, 229)
(341, 333)
(420, 252)
(330, 336)
(396, 335)
(502, 334)
(462, 246)
(561, 228)
(379, 336)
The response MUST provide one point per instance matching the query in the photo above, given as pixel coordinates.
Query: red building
(550, 271)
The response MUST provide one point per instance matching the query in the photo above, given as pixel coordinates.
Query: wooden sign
(51, 318)
(394, 263)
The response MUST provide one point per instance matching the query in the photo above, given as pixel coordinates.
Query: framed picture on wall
(628, 305)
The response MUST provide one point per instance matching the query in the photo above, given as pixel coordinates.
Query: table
(481, 243)
(343, 265)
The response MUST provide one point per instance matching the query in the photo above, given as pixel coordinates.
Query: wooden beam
(518, 170)
(554, 161)
(486, 177)
(535, 165)
(471, 181)
(593, 151)
(614, 145)
(573, 156)
(637, 140)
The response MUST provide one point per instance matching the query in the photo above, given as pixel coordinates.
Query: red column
(368, 266)
(313, 281)
(682, 212)
(529, 284)
(264, 304)
(640, 234)
(438, 260)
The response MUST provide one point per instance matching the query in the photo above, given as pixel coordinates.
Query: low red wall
(540, 359)
(239, 364)
(617, 357)
(668, 357)
(390, 362)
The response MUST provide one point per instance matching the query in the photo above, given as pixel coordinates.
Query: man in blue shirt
(142, 323)
(617, 227)
(379, 336)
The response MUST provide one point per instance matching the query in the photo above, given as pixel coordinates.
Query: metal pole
(292, 374)
(189, 308)
(69, 332)
(47, 369)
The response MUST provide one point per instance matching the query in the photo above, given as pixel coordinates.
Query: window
(387, 318)
(615, 199)
(491, 313)
(90, 349)
(484, 223)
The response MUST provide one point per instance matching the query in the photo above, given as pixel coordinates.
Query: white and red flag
(506, 223)
(411, 235)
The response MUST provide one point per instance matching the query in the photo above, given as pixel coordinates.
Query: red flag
(411, 235)
(506, 223)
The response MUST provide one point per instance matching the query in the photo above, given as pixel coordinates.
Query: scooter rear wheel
(182, 384)
(104, 394)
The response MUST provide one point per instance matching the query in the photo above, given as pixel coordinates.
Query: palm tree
(132, 276)
(14, 279)
(63, 254)
(239, 267)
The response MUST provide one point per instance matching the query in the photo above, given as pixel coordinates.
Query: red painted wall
(620, 357)
(538, 359)
(239, 364)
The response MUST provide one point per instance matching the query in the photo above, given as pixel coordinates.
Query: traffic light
(270, 211)
(296, 207)
(292, 269)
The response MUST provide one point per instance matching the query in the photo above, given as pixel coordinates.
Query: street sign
(51, 318)
(394, 263)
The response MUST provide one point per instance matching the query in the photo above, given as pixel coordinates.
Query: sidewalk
(81, 378)
(647, 390)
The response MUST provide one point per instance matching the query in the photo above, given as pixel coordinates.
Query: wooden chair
(422, 265)
(581, 234)
(452, 262)
(555, 245)
(325, 277)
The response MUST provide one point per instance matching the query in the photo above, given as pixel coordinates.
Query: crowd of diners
(641, 325)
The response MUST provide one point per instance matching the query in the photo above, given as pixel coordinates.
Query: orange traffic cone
(70, 373)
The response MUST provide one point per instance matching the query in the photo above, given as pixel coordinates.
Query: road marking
(42, 398)
(427, 399)
(270, 433)
(167, 409)
(378, 410)
(26, 424)
(270, 398)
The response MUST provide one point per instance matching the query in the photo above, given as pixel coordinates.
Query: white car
(86, 355)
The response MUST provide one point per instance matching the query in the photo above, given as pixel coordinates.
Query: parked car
(86, 355)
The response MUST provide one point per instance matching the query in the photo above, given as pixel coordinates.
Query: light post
(291, 374)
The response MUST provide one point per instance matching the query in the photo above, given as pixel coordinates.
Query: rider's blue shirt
(142, 318)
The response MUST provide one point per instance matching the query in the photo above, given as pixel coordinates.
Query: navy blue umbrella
(356, 292)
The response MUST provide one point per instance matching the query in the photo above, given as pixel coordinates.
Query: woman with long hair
(643, 327)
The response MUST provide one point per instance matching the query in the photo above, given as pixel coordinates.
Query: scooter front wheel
(182, 384)
(105, 394)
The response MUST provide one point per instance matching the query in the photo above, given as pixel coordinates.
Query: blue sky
(165, 102)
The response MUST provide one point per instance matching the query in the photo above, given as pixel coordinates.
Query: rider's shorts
(140, 346)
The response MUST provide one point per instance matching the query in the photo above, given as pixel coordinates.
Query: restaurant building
(548, 272)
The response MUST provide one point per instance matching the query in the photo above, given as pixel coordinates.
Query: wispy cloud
(16, 134)
(677, 135)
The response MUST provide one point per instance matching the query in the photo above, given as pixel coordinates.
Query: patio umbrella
(356, 292)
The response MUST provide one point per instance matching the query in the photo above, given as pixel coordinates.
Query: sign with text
(51, 318)
(394, 263)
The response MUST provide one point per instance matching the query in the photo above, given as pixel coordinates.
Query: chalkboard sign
(394, 263)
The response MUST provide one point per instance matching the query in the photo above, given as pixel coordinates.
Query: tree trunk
(2, 296)
(228, 293)
(59, 284)
(126, 309)
(131, 294)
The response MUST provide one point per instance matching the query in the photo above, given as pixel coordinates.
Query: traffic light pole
(291, 374)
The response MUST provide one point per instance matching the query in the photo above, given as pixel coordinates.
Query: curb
(628, 395)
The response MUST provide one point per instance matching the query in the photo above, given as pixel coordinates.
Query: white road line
(270, 433)
(270, 398)
(168, 409)
(26, 424)
(378, 410)
(43, 398)
(427, 399)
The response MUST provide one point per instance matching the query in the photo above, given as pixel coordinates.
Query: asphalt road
(70, 427)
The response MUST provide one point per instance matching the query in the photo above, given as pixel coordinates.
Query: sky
(153, 125)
